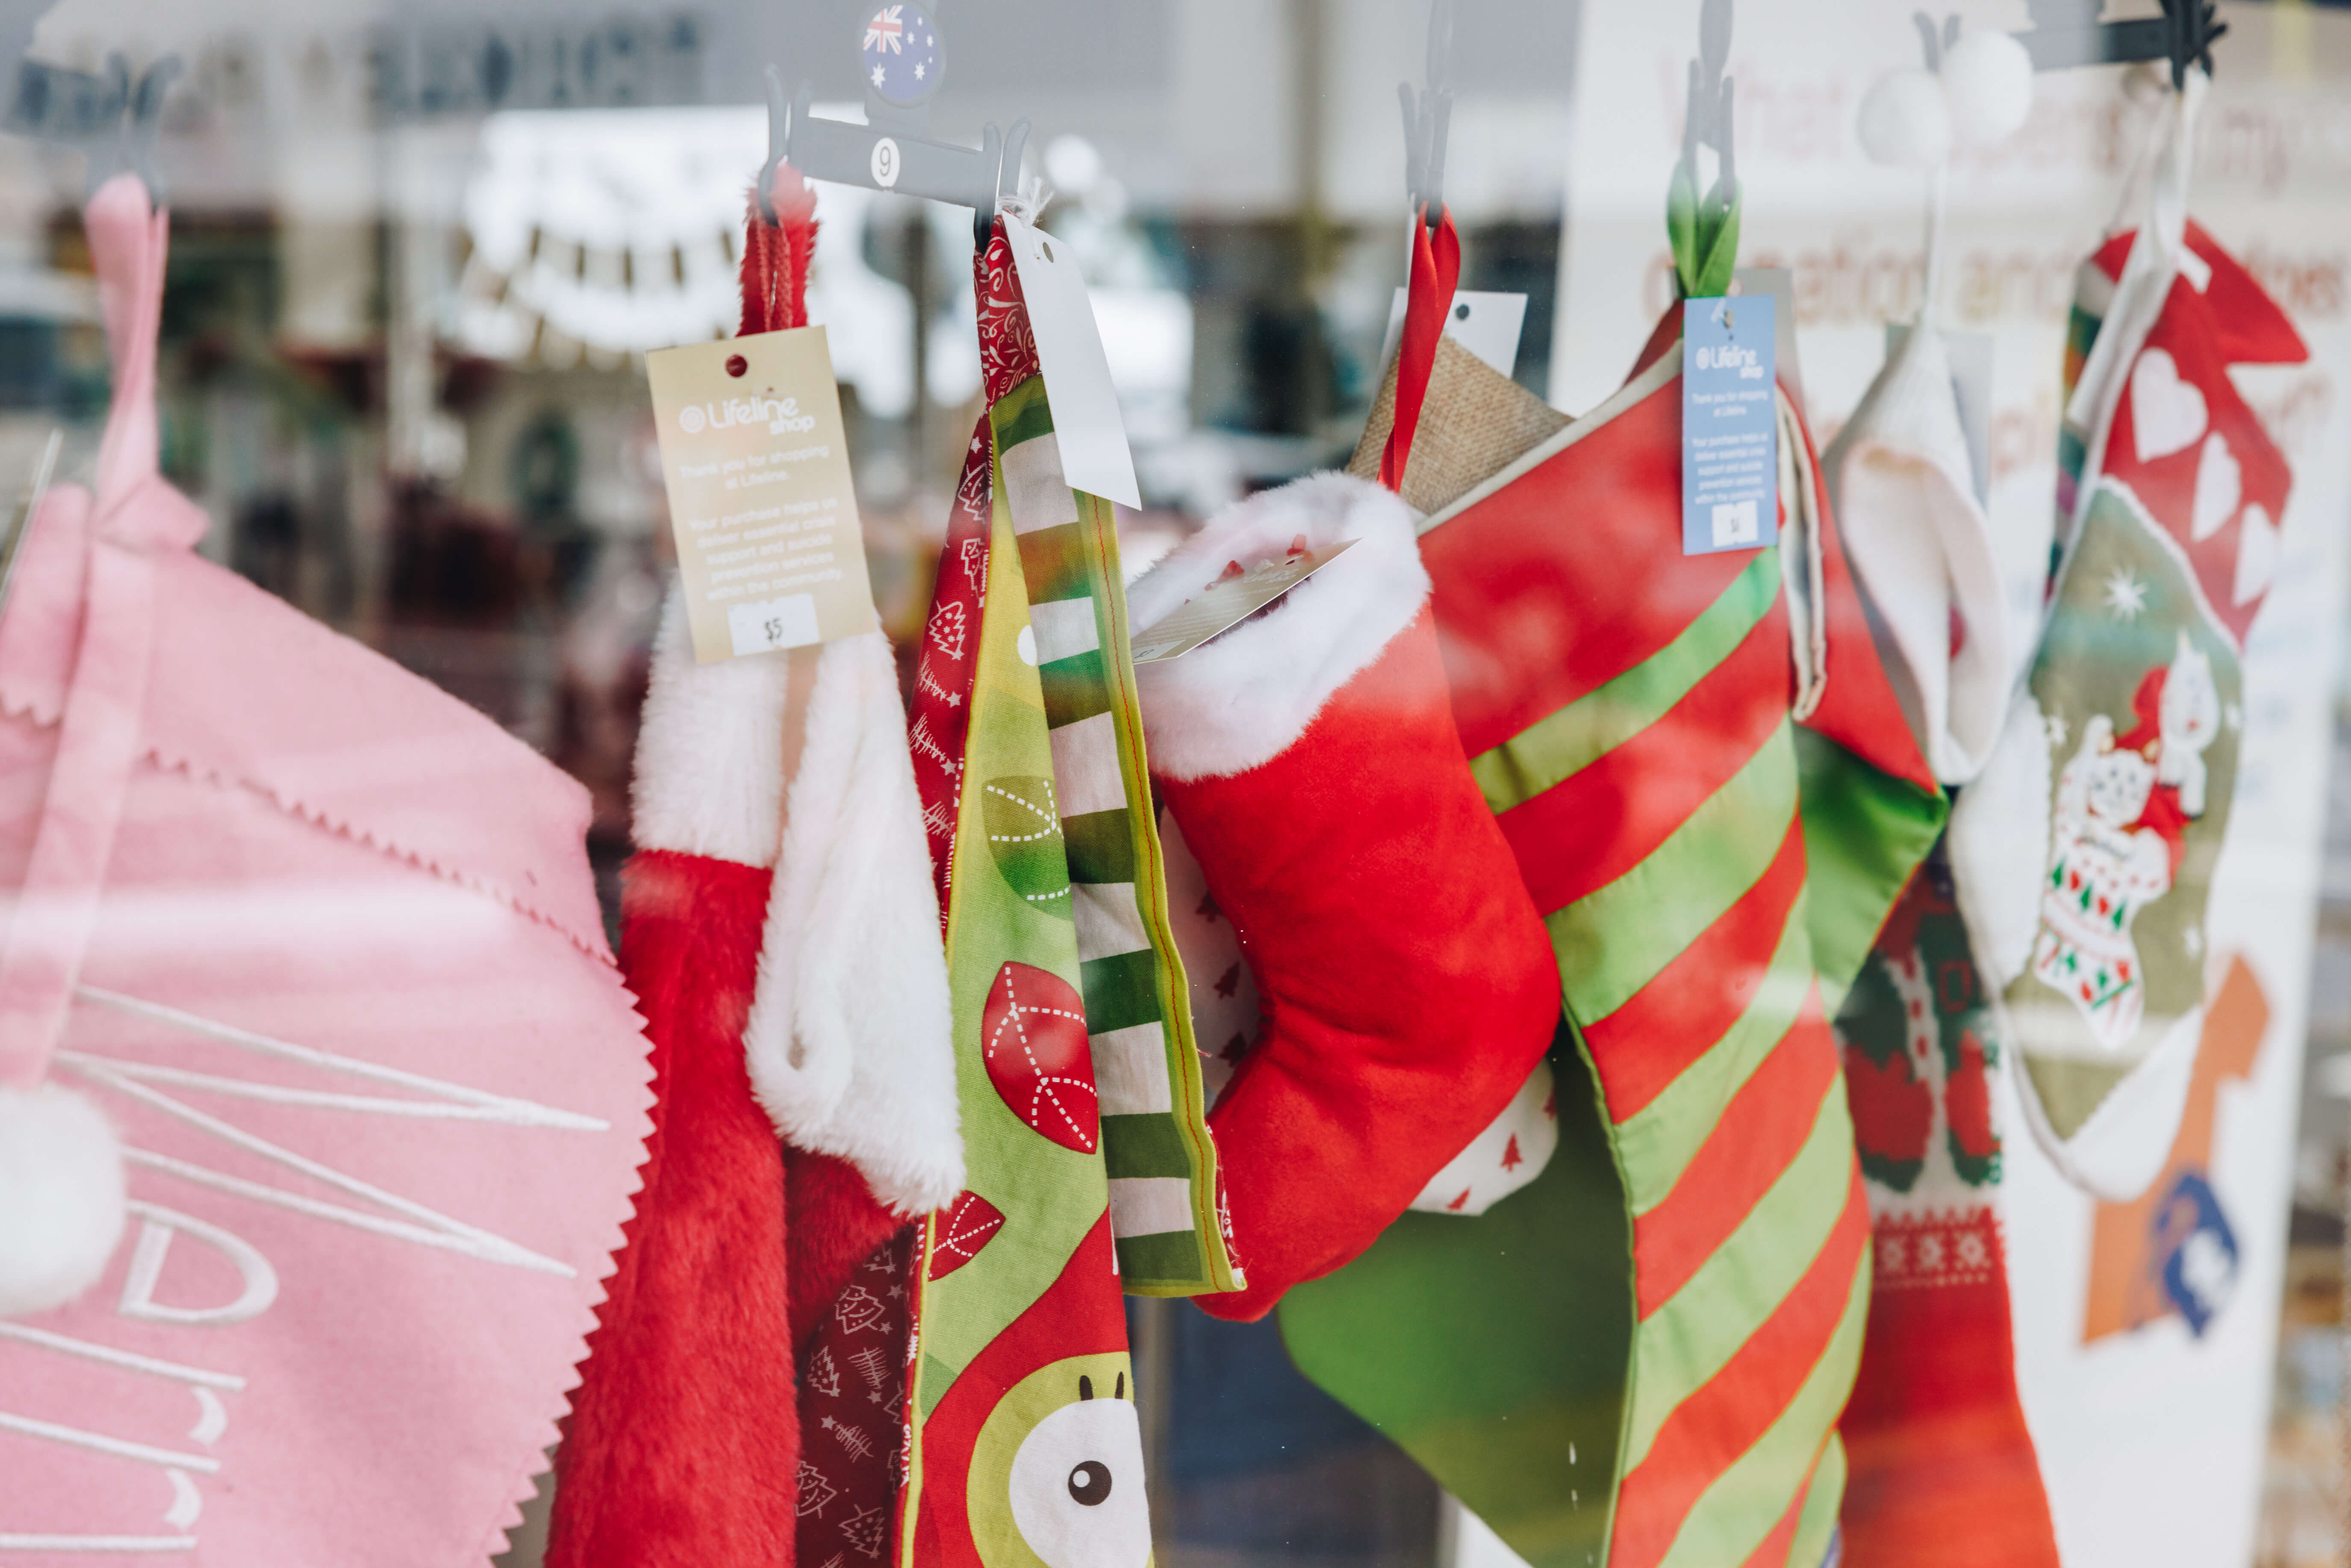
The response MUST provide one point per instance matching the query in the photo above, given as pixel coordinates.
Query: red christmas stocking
(757, 780)
(1408, 985)
(1941, 1470)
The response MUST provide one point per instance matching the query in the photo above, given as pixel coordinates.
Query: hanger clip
(901, 54)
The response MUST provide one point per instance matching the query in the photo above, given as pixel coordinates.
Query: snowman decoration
(2122, 808)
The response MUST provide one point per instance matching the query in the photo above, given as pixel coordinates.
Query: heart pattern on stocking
(2168, 415)
(2219, 486)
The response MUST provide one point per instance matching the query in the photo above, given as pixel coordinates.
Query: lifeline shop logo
(783, 415)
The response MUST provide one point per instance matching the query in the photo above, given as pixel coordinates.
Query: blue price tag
(1730, 425)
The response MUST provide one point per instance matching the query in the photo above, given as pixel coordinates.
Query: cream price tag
(1226, 603)
(752, 451)
(1086, 422)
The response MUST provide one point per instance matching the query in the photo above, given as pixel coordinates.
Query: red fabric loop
(1435, 267)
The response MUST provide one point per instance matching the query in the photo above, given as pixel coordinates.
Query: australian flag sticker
(901, 54)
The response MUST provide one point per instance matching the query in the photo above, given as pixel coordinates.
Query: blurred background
(420, 250)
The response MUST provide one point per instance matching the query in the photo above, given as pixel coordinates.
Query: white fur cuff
(849, 1041)
(1240, 700)
(710, 749)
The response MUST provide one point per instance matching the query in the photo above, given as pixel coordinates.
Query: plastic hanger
(885, 153)
(1427, 114)
(2067, 32)
(1705, 230)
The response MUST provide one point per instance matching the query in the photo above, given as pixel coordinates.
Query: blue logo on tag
(1730, 425)
(2198, 1249)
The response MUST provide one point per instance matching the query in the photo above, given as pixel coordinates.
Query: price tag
(1086, 422)
(768, 543)
(1225, 604)
(1731, 427)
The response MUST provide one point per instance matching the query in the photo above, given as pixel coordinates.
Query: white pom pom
(1905, 123)
(60, 1196)
(1987, 84)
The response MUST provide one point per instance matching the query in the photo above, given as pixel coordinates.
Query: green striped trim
(1865, 831)
(1747, 1501)
(1144, 1145)
(1558, 748)
(1692, 1337)
(1614, 939)
(1819, 1519)
(1100, 847)
(1656, 1143)
(1055, 562)
(1021, 414)
(1075, 688)
(1159, 1255)
(1068, 546)
(1120, 992)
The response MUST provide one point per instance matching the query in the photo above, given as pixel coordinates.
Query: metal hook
(1427, 117)
(780, 140)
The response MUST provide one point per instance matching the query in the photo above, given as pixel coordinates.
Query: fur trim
(850, 1039)
(1919, 542)
(710, 750)
(61, 1197)
(2000, 845)
(1240, 700)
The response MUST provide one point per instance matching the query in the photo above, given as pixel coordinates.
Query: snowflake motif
(815, 1491)
(2058, 728)
(2126, 595)
(1893, 1257)
(1931, 1252)
(1973, 1253)
(857, 1309)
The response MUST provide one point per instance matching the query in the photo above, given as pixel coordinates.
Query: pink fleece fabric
(323, 943)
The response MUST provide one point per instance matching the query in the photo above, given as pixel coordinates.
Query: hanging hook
(1709, 121)
(780, 140)
(1427, 116)
(2067, 32)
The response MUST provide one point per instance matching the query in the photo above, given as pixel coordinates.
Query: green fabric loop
(1704, 237)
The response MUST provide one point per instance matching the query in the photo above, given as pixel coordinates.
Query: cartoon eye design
(1077, 1484)
(1090, 1483)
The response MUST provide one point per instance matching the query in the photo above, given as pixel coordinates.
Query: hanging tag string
(1435, 267)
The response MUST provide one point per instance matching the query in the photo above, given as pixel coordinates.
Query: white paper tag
(769, 547)
(1086, 422)
(1226, 602)
(1487, 324)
